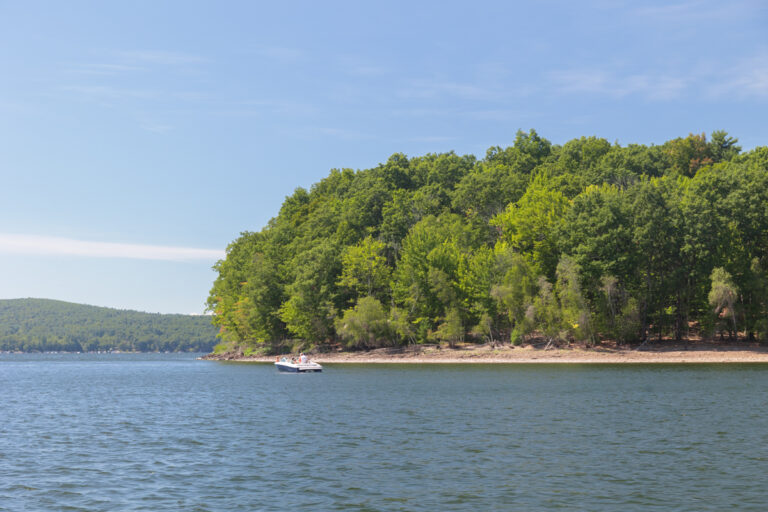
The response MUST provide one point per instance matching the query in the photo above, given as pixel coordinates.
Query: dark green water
(167, 432)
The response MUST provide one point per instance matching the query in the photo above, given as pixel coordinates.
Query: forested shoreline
(582, 242)
(43, 325)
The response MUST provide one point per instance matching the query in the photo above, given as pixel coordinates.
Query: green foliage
(501, 178)
(310, 310)
(484, 329)
(662, 260)
(514, 290)
(617, 313)
(41, 325)
(529, 226)
(399, 217)
(687, 155)
(365, 326)
(596, 231)
(559, 311)
(755, 299)
(722, 147)
(405, 330)
(545, 312)
(432, 274)
(723, 297)
(451, 329)
(364, 269)
(574, 311)
(577, 242)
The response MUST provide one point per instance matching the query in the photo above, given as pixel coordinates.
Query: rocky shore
(700, 352)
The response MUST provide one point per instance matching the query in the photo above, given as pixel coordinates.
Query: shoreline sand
(692, 353)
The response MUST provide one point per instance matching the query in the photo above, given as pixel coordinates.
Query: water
(167, 432)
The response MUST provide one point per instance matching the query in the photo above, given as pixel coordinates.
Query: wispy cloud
(692, 11)
(432, 138)
(160, 57)
(111, 92)
(499, 114)
(492, 113)
(650, 86)
(747, 78)
(277, 106)
(425, 89)
(15, 107)
(671, 11)
(367, 70)
(279, 53)
(102, 69)
(358, 66)
(156, 127)
(345, 134)
(132, 62)
(58, 246)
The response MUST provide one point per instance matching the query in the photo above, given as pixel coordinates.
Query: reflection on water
(168, 432)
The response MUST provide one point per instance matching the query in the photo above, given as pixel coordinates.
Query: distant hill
(42, 325)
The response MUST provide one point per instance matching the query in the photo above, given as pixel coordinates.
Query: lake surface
(168, 432)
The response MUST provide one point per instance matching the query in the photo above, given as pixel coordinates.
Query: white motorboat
(287, 366)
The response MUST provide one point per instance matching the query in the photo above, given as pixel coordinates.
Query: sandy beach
(700, 352)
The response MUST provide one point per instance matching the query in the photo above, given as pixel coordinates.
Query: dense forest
(41, 325)
(582, 242)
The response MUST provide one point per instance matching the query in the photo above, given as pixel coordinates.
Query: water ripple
(168, 432)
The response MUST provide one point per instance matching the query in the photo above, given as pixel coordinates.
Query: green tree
(545, 313)
(574, 311)
(451, 329)
(755, 293)
(427, 281)
(723, 298)
(365, 270)
(706, 239)
(365, 326)
(529, 226)
(687, 155)
(397, 219)
(620, 316)
(660, 277)
(311, 308)
(514, 291)
(723, 147)
(635, 231)
(501, 178)
(596, 231)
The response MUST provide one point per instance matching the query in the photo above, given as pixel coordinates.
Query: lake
(168, 432)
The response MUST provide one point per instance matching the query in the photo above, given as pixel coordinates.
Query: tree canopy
(42, 325)
(581, 242)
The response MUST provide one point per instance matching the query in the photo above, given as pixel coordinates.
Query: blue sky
(137, 139)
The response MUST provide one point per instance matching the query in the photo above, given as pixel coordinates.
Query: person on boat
(303, 359)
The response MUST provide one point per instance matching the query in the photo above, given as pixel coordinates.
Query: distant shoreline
(692, 353)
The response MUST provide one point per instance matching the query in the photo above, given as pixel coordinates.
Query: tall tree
(723, 297)
(364, 269)
(529, 226)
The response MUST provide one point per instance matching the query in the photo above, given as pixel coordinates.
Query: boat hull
(298, 367)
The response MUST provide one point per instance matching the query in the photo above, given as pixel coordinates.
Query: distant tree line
(41, 325)
(581, 242)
